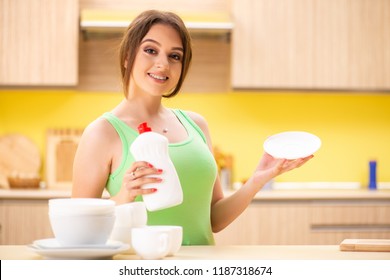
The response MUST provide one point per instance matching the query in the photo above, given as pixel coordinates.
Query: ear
(125, 65)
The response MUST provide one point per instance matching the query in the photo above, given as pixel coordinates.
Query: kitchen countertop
(269, 195)
(291, 252)
(36, 193)
(33, 193)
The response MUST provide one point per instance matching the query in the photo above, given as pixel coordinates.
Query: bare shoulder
(198, 119)
(99, 132)
(202, 123)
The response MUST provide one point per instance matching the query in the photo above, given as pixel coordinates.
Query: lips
(158, 77)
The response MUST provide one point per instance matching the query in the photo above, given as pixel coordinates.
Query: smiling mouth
(157, 77)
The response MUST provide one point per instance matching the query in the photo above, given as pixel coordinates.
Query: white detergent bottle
(152, 147)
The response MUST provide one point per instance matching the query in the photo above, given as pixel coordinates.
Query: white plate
(52, 243)
(292, 144)
(51, 249)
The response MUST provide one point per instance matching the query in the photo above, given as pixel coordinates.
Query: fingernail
(159, 170)
(150, 165)
(154, 190)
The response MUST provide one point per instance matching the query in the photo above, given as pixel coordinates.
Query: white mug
(131, 214)
(151, 243)
(128, 216)
(176, 236)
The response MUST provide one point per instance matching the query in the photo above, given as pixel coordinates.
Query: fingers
(277, 167)
(285, 165)
(139, 174)
(304, 160)
(141, 169)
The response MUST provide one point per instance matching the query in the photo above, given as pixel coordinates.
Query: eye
(176, 56)
(150, 51)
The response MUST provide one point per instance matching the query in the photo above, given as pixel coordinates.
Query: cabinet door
(268, 224)
(332, 223)
(39, 42)
(23, 221)
(315, 44)
(308, 223)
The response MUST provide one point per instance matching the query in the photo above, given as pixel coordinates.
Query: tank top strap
(189, 123)
(127, 136)
(121, 128)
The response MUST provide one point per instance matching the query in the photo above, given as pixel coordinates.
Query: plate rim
(80, 253)
(270, 138)
(114, 245)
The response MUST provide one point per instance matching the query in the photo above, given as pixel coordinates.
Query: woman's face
(158, 62)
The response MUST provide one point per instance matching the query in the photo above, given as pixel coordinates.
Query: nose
(162, 62)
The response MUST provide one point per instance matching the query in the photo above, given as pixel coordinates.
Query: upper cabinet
(319, 44)
(39, 42)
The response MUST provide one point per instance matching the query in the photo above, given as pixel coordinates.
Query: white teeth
(158, 77)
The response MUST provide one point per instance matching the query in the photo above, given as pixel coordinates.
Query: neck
(134, 112)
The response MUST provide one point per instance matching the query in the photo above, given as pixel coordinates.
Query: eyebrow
(157, 43)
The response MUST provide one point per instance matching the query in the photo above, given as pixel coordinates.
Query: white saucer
(292, 144)
(51, 249)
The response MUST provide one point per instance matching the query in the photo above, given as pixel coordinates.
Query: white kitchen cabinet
(319, 44)
(39, 42)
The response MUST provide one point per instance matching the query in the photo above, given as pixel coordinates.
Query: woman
(155, 55)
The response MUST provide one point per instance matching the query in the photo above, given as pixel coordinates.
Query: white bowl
(80, 212)
(82, 230)
(81, 206)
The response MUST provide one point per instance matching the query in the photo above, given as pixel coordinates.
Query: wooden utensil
(61, 148)
(18, 154)
(365, 245)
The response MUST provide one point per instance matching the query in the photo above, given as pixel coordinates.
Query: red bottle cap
(143, 127)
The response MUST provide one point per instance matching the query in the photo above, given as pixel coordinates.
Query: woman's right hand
(139, 174)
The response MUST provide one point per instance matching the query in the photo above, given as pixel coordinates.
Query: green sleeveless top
(196, 168)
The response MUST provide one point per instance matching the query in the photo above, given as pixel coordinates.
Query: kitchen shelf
(115, 21)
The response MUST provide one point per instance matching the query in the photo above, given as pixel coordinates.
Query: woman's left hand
(269, 168)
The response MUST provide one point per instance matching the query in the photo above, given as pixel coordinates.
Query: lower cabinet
(284, 222)
(307, 223)
(330, 223)
(23, 221)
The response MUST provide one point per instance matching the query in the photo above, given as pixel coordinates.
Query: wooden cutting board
(61, 148)
(365, 245)
(18, 154)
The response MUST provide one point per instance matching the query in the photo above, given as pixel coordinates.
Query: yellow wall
(354, 127)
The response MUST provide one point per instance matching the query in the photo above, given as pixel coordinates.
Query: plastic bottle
(372, 183)
(153, 148)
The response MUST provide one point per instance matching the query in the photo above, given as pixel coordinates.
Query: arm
(226, 210)
(98, 154)
(92, 163)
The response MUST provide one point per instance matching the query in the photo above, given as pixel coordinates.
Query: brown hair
(137, 30)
